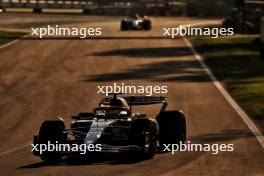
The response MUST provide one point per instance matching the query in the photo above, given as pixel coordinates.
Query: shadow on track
(224, 136)
(164, 71)
(147, 52)
(90, 159)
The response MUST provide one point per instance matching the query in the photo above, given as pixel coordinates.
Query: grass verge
(236, 62)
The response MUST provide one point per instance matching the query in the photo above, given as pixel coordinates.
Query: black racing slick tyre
(146, 25)
(145, 135)
(52, 131)
(262, 54)
(172, 128)
(37, 9)
(123, 25)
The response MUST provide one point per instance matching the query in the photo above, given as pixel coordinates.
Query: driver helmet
(119, 102)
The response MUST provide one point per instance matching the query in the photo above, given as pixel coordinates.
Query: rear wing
(145, 100)
(141, 100)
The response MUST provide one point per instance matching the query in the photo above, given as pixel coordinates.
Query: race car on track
(135, 23)
(116, 128)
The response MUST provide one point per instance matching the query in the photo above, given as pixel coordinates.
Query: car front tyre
(52, 131)
(145, 133)
(172, 125)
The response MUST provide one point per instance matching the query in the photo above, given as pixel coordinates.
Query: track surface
(49, 78)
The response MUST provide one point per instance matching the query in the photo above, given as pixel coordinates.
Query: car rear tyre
(172, 128)
(145, 132)
(52, 131)
(123, 25)
(37, 10)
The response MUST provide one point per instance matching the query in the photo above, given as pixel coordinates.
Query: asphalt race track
(42, 79)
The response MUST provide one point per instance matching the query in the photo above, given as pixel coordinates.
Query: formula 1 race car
(135, 23)
(116, 128)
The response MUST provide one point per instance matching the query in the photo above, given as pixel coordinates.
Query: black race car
(116, 128)
(135, 23)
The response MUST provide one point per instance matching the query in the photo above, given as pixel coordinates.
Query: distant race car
(135, 23)
(116, 128)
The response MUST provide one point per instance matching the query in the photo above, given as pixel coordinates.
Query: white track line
(230, 100)
(14, 149)
(8, 44)
(12, 42)
(16, 40)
